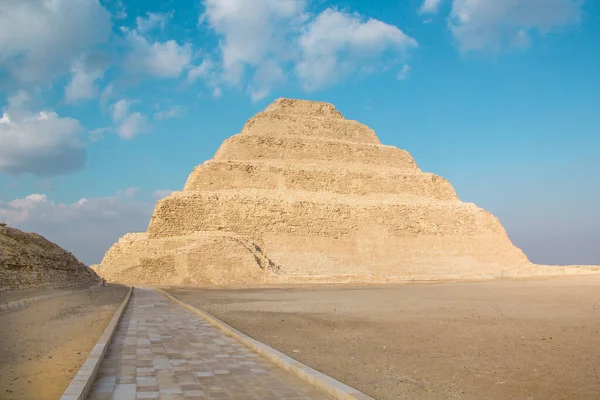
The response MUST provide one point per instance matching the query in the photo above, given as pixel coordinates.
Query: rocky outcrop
(28, 260)
(303, 194)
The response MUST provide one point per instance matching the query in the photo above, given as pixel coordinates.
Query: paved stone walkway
(162, 351)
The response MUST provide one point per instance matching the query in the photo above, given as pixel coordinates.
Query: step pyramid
(304, 195)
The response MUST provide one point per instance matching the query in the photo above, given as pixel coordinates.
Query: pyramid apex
(303, 107)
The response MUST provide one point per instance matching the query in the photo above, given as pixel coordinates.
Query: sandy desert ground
(43, 346)
(528, 339)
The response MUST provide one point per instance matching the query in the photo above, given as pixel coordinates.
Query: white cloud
(116, 8)
(19, 101)
(266, 77)
(172, 112)
(404, 71)
(39, 39)
(152, 21)
(252, 31)
(430, 6)
(106, 95)
(263, 42)
(83, 82)
(39, 143)
(87, 227)
(161, 194)
(162, 59)
(121, 12)
(129, 124)
(205, 71)
(254, 35)
(336, 44)
(132, 125)
(491, 25)
(98, 133)
(208, 72)
(120, 109)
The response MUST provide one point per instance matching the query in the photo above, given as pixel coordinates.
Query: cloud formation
(492, 25)
(404, 72)
(253, 33)
(161, 59)
(82, 85)
(39, 39)
(336, 44)
(430, 6)
(173, 112)
(265, 43)
(152, 21)
(87, 227)
(129, 124)
(39, 143)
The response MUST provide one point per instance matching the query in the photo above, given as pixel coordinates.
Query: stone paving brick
(163, 351)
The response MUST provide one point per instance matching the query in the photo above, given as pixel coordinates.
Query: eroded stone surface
(302, 195)
(28, 260)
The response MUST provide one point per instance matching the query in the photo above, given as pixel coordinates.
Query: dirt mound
(304, 195)
(28, 260)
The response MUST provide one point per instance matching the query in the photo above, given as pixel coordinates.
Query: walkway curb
(82, 383)
(324, 383)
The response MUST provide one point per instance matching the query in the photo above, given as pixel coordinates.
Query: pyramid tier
(304, 108)
(307, 233)
(368, 255)
(254, 213)
(335, 178)
(301, 148)
(219, 258)
(268, 123)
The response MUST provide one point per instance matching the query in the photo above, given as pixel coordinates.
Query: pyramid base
(219, 258)
(224, 259)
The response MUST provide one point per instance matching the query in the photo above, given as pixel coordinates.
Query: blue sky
(107, 106)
